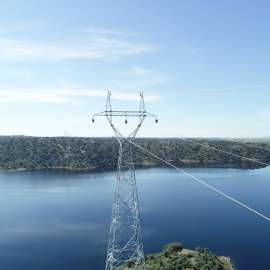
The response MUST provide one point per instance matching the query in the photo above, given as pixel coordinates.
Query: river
(60, 220)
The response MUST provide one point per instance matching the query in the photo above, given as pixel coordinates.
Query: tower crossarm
(125, 114)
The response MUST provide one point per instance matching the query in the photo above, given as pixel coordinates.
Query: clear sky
(196, 61)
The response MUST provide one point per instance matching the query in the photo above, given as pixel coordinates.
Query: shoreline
(228, 260)
(183, 164)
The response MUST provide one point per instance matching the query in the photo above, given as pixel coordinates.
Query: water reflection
(241, 165)
(60, 219)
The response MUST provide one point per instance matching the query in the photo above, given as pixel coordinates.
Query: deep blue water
(60, 220)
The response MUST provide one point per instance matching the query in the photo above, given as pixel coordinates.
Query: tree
(173, 248)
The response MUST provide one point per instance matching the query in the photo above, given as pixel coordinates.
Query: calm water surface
(60, 220)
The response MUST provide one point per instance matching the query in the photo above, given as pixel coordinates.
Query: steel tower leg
(125, 240)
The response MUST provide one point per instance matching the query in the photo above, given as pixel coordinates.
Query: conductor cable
(195, 178)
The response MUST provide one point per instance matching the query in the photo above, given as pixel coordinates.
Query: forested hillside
(174, 257)
(34, 153)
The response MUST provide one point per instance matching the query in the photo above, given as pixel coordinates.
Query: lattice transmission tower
(125, 239)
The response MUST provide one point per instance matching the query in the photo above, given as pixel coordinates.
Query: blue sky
(197, 63)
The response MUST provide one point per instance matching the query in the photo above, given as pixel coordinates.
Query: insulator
(126, 121)
(93, 120)
(156, 120)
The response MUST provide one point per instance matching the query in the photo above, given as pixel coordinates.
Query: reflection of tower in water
(125, 239)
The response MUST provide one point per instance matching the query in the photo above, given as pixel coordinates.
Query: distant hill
(74, 153)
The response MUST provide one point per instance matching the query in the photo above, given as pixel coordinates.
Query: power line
(211, 147)
(218, 89)
(225, 94)
(195, 178)
(249, 144)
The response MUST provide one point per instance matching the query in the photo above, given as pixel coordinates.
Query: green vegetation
(174, 257)
(34, 153)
